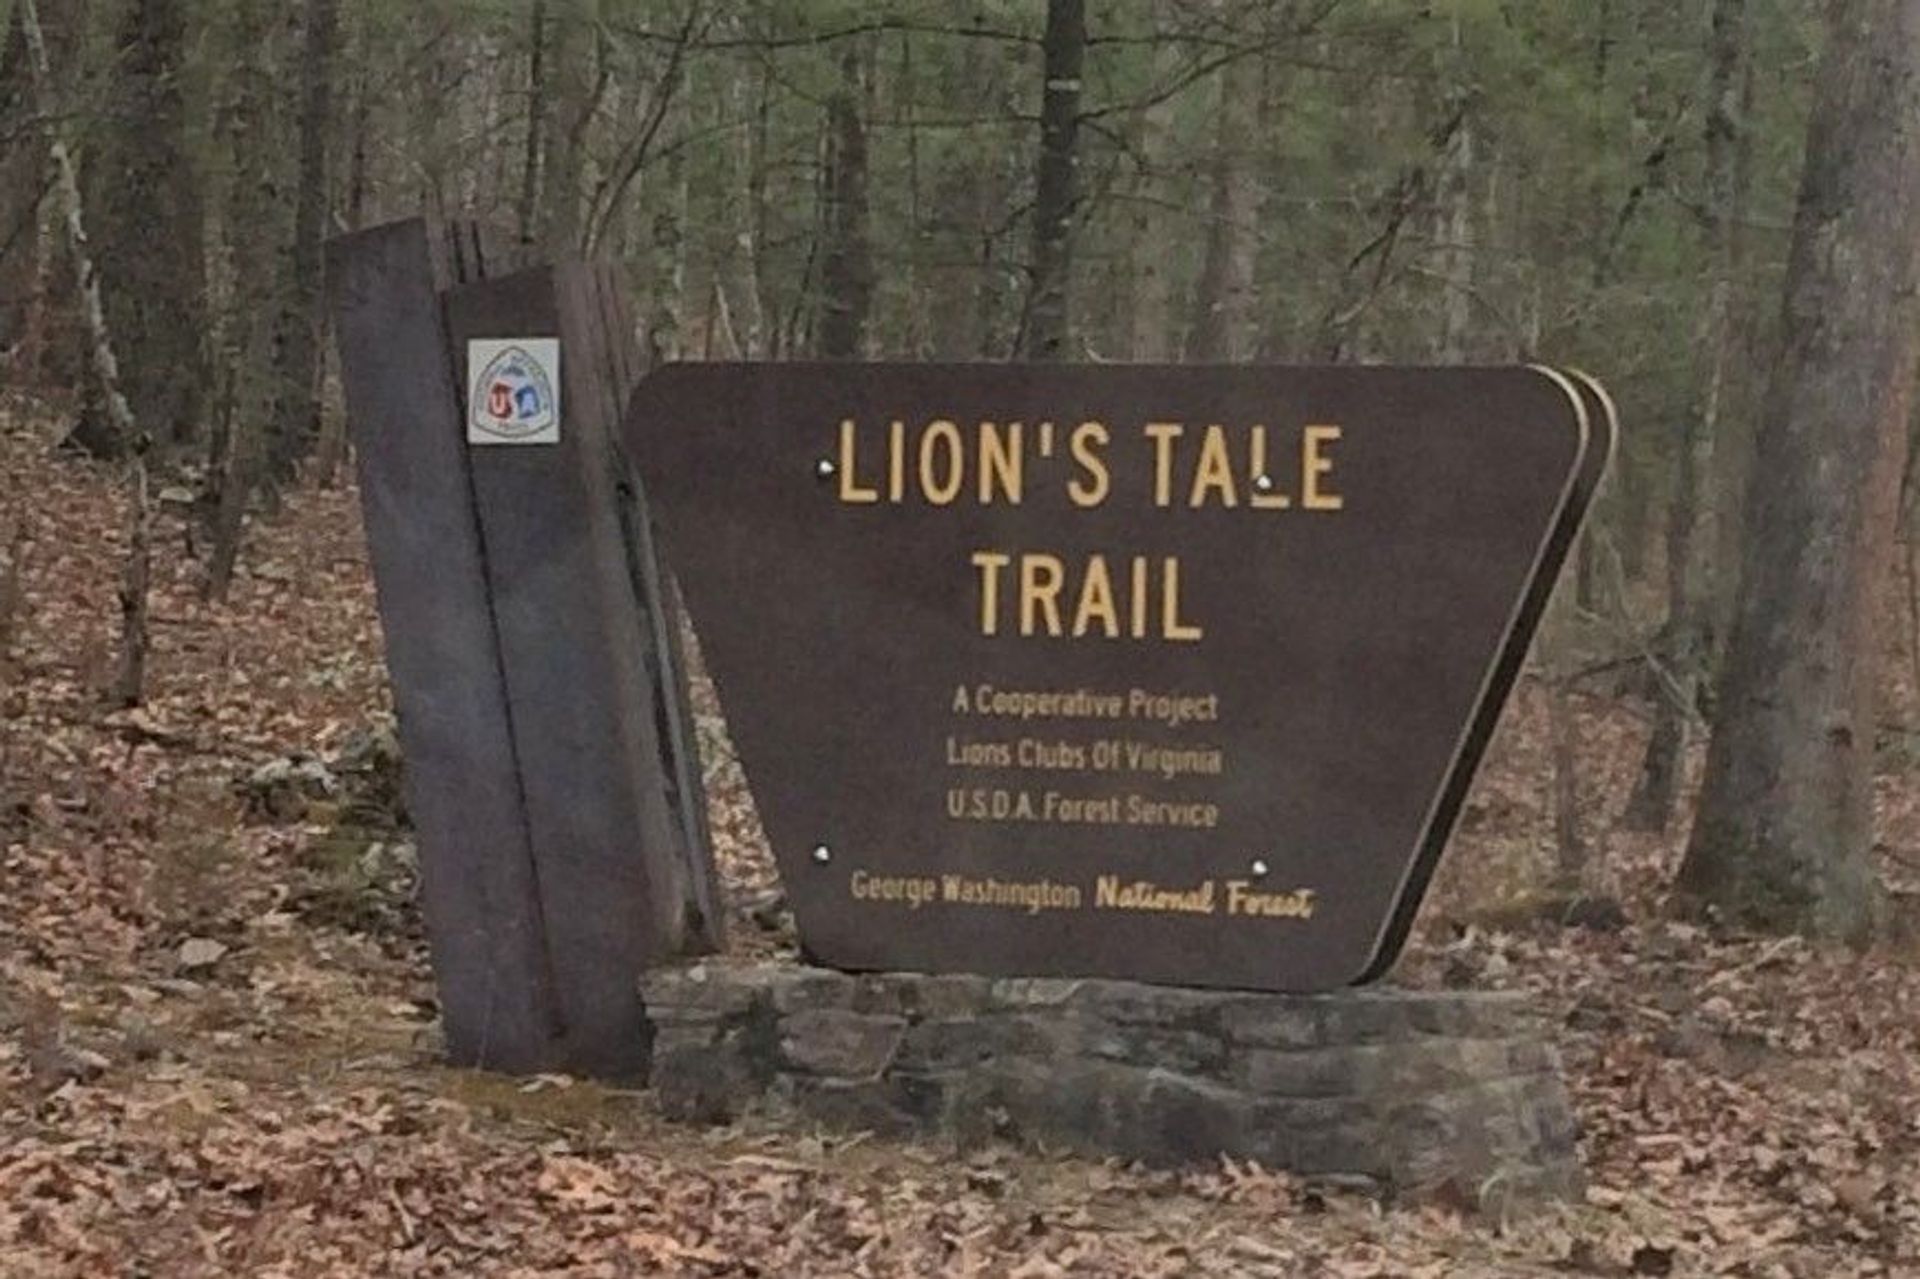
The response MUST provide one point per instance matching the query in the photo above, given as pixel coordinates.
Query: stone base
(1417, 1092)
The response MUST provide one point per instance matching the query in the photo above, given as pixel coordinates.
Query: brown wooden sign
(1168, 673)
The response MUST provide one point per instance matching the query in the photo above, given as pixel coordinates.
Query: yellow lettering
(990, 563)
(1272, 499)
(897, 463)
(1000, 462)
(850, 490)
(941, 492)
(1163, 435)
(1171, 625)
(1313, 465)
(1096, 600)
(1084, 443)
(1137, 601)
(1041, 577)
(1215, 471)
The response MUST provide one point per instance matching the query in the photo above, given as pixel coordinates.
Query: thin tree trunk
(30, 349)
(1454, 219)
(1456, 248)
(1154, 335)
(1048, 322)
(1783, 839)
(130, 682)
(297, 351)
(148, 223)
(242, 476)
(1733, 446)
(846, 273)
(24, 183)
(358, 176)
(1571, 855)
(529, 206)
(13, 592)
(579, 78)
(1690, 528)
(1223, 294)
(121, 430)
(241, 463)
(918, 341)
(759, 255)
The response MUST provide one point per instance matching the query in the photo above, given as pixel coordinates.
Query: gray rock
(1413, 1093)
(1272, 1023)
(916, 996)
(1301, 1072)
(795, 990)
(702, 1084)
(1034, 992)
(284, 789)
(198, 953)
(833, 1041)
(702, 988)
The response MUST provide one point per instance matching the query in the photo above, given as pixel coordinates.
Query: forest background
(1626, 186)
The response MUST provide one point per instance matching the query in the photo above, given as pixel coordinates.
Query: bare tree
(296, 407)
(846, 274)
(1224, 292)
(1044, 333)
(24, 180)
(120, 430)
(1690, 532)
(144, 198)
(1784, 833)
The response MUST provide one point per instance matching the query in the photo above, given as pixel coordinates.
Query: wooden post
(480, 889)
(572, 645)
(549, 756)
(653, 587)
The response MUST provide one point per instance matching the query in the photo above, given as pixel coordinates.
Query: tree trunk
(760, 159)
(1453, 216)
(1784, 834)
(1044, 334)
(119, 431)
(1223, 294)
(296, 407)
(240, 476)
(361, 127)
(846, 272)
(148, 224)
(1586, 573)
(13, 590)
(255, 247)
(1690, 527)
(529, 206)
(1733, 445)
(578, 81)
(23, 190)
(136, 575)
(1154, 336)
(1457, 247)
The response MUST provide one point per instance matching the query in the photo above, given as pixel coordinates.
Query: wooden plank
(572, 643)
(666, 663)
(480, 894)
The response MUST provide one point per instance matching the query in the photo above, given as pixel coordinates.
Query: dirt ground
(217, 1051)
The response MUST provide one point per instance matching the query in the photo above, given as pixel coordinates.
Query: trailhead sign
(1176, 674)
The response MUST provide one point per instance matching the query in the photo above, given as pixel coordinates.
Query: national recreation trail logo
(513, 391)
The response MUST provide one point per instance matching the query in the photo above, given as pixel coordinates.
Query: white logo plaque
(513, 391)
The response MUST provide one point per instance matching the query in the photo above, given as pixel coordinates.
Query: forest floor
(217, 1053)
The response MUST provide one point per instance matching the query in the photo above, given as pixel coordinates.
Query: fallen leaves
(216, 1040)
